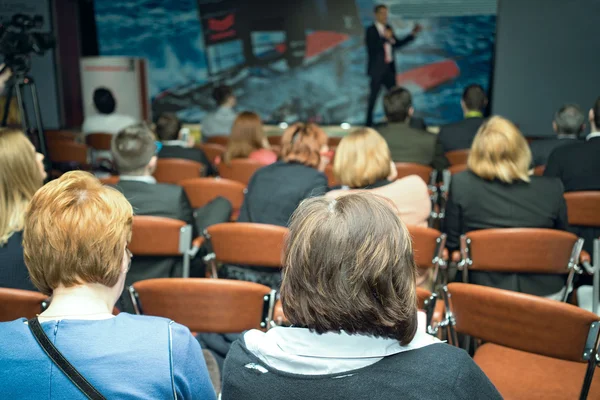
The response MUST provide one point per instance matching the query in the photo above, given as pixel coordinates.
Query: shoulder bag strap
(61, 362)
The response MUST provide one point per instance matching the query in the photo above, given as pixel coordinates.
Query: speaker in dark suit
(459, 135)
(381, 68)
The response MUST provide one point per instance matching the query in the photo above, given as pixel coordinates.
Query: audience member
(75, 245)
(248, 140)
(275, 191)
(459, 135)
(408, 144)
(568, 123)
(106, 121)
(355, 326)
(220, 121)
(497, 192)
(362, 161)
(21, 175)
(168, 130)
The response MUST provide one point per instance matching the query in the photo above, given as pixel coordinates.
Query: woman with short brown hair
(248, 140)
(349, 290)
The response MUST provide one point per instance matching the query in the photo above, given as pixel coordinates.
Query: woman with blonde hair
(363, 162)
(21, 175)
(497, 192)
(247, 140)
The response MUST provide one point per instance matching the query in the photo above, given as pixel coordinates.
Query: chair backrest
(523, 322)
(64, 151)
(207, 305)
(406, 169)
(156, 236)
(457, 156)
(15, 303)
(525, 250)
(110, 180)
(222, 140)
(428, 245)
(455, 169)
(334, 141)
(201, 191)
(422, 296)
(248, 243)
(331, 181)
(53, 135)
(583, 208)
(274, 140)
(99, 141)
(212, 150)
(240, 170)
(174, 170)
(539, 170)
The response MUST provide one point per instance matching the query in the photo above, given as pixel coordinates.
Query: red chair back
(240, 170)
(583, 208)
(406, 169)
(99, 141)
(457, 156)
(212, 150)
(15, 303)
(221, 140)
(174, 170)
(201, 191)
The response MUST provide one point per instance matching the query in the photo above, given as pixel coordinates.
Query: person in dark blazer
(459, 135)
(406, 143)
(381, 43)
(568, 123)
(168, 130)
(497, 192)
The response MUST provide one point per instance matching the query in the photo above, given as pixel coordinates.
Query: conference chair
(67, 155)
(240, 170)
(334, 141)
(331, 181)
(201, 191)
(533, 348)
(206, 305)
(582, 211)
(429, 247)
(174, 170)
(212, 150)
(15, 303)
(162, 237)
(60, 134)
(244, 243)
(110, 180)
(221, 140)
(274, 140)
(521, 250)
(99, 141)
(457, 157)
(539, 170)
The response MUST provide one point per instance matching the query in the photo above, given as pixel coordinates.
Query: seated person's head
(397, 105)
(348, 265)
(21, 175)
(76, 232)
(168, 127)
(595, 116)
(104, 101)
(499, 151)
(304, 143)
(246, 136)
(134, 150)
(362, 158)
(569, 120)
(223, 96)
(473, 99)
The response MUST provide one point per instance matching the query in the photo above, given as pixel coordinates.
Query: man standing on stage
(381, 42)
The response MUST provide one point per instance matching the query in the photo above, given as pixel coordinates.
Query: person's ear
(591, 115)
(463, 106)
(152, 164)
(554, 126)
(411, 111)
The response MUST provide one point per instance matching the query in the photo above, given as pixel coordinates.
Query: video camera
(17, 42)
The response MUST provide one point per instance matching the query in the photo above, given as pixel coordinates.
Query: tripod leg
(38, 118)
(22, 110)
(9, 96)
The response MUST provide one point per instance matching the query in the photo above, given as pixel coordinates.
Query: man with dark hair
(106, 121)
(220, 121)
(176, 145)
(406, 143)
(381, 42)
(568, 123)
(459, 135)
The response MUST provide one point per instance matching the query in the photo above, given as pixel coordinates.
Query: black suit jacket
(376, 65)
(275, 191)
(13, 271)
(541, 149)
(193, 154)
(459, 135)
(475, 203)
(412, 145)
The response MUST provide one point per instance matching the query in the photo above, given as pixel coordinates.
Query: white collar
(592, 135)
(380, 27)
(135, 178)
(179, 143)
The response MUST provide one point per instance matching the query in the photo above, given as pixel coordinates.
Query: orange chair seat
(521, 375)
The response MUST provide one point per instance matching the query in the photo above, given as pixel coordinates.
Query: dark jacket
(450, 374)
(193, 154)
(459, 135)
(541, 149)
(376, 65)
(475, 203)
(412, 145)
(13, 271)
(275, 191)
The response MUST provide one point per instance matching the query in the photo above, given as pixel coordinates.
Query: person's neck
(88, 301)
(473, 114)
(566, 135)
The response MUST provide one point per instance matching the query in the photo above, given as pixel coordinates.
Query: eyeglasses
(159, 146)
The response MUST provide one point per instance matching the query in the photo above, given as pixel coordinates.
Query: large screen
(294, 60)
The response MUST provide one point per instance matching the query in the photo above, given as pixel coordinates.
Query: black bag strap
(61, 362)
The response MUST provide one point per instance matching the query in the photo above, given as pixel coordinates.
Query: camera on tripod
(17, 42)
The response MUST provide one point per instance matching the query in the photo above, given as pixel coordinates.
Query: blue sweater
(126, 357)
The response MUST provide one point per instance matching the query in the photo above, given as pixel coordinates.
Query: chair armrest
(196, 246)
